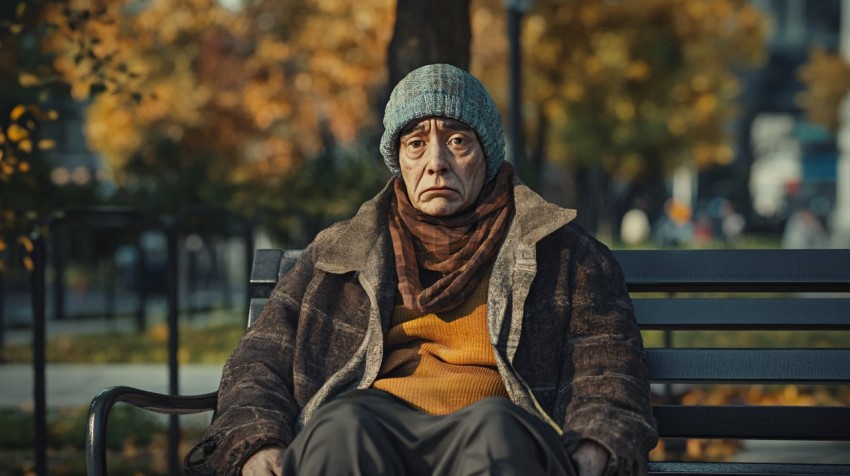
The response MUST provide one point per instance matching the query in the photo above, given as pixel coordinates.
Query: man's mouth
(438, 190)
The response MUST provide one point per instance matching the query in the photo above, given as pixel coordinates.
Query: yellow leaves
(28, 80)
(270, 50)
(705, 154)
(46, 144)
(573, 91)
(26, 243)
(16, 133)
(677, 125)
(17, 112)
(592, 66)
(218, 79)
(827, 80)
(590, 14)
(725, 154)
(697, 9)
(158, 333)
(16, 141)
(624, 110)
(80, 90)
(612, 51)
(638, 71)
(700, 83)
(706, 104)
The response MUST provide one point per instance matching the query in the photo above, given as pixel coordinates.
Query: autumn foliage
(827, 80)
(640, 86)
(242, 90)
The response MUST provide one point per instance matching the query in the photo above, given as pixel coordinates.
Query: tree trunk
(592, 196)
(428, 31)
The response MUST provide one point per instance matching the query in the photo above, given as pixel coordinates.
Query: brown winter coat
(560, 320)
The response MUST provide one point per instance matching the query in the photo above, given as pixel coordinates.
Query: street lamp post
(515, 11)
(841, 213)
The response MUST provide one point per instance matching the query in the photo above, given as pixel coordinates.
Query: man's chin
(440, 208)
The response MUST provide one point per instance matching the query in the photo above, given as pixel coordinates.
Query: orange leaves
(91, 53)
(245, 85)
(617, 79)
(17, 140)
(16, 133)
(827, 80)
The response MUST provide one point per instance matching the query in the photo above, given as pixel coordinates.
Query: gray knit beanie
(447, 91)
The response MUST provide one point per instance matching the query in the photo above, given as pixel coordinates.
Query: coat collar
(350, 243)
(347, 245)
(535, 217)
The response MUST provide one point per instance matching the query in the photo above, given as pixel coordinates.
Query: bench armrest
(156, 402)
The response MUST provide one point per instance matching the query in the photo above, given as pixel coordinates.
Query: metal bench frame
(806, 274)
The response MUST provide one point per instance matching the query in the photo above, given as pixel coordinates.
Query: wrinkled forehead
(421, 124)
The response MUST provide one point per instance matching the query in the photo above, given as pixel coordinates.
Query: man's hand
(590, 458)
(267, 461)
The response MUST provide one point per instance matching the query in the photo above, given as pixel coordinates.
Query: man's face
(442, 165)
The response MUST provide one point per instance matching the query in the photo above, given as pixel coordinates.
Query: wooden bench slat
(264, 273)
(743, 313)
(749, 365)
(736, 270)
(287, 262)
(255, 309)
(753, 422)
(749, 469)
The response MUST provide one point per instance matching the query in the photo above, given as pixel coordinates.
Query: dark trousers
(370, 433)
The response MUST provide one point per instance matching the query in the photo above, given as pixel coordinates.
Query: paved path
(77, 384)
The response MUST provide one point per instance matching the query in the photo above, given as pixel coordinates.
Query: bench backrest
(721, 290)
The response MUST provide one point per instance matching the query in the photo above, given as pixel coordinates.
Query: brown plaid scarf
(450, 252)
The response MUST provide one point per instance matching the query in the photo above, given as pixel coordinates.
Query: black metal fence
(45, 249)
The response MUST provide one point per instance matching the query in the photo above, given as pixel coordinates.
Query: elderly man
(457, 324)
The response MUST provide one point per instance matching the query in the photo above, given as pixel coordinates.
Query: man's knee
(342, 416)
(498, 414)
(345, 437)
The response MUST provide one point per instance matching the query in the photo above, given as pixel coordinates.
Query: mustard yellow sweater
(440, 363)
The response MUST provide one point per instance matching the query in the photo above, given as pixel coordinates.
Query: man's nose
(437, 159)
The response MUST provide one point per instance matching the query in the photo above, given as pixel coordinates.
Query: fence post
(2, 314)
(170, 229)
(39, 235)
(58, 259)
(142, 296)
(38, 357)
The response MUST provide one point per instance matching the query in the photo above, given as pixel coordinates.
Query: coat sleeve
(610, 397)
(255, 405)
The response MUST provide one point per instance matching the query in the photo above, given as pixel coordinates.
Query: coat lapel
(516, 264)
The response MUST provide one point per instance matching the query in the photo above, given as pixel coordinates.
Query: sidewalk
(76, 384)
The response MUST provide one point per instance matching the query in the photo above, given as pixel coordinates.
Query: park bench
(675, 290)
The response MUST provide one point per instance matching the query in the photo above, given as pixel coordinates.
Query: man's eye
(415, 144)
(457, 141)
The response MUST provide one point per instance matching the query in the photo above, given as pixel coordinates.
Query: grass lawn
(208, 344)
